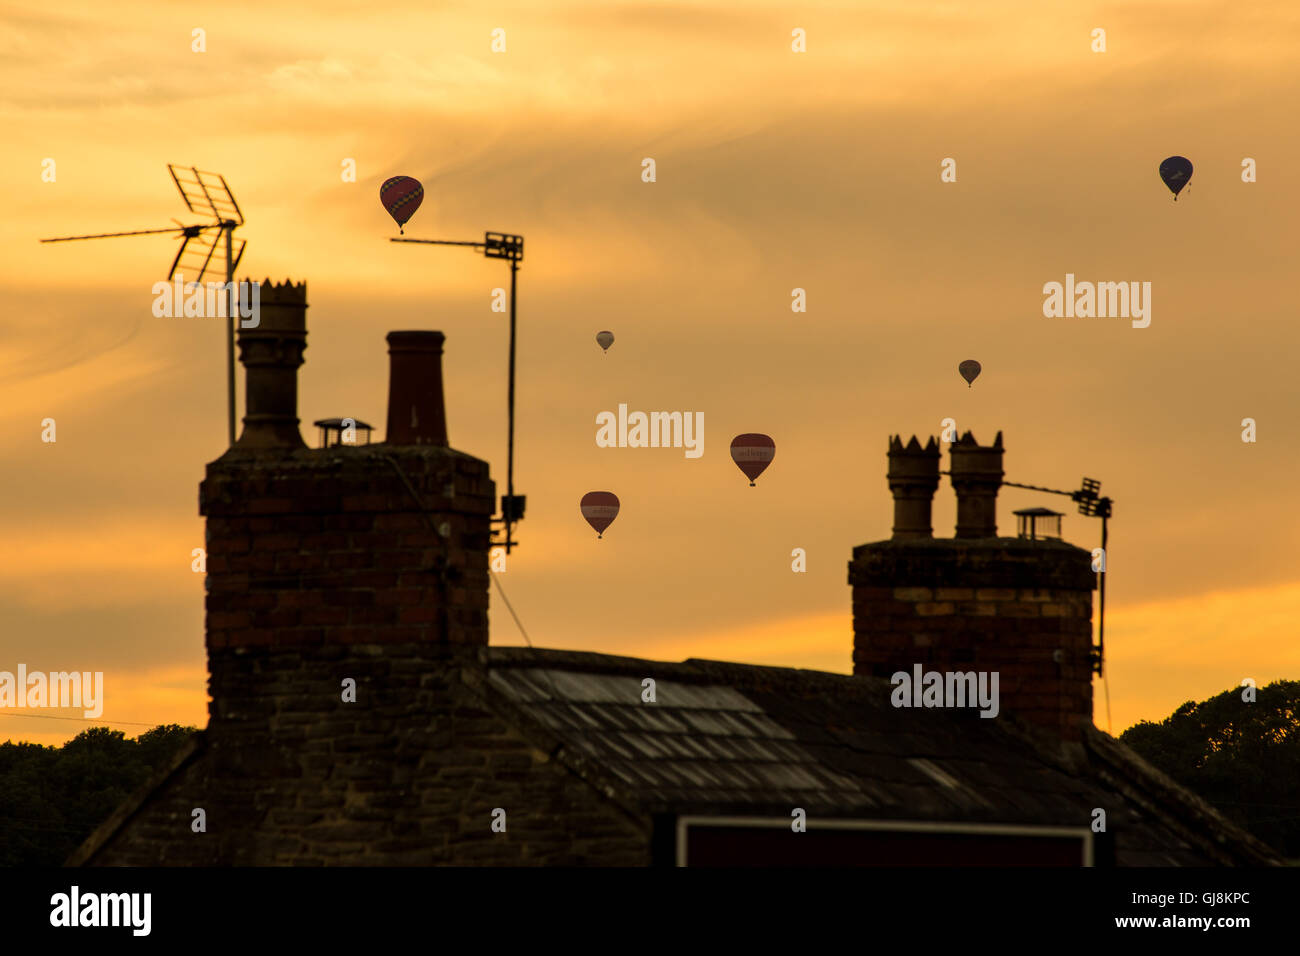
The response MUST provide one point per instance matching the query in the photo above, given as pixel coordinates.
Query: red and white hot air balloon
(752, 454)
(600, 508)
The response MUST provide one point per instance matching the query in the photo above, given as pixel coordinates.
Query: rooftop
(724, 737)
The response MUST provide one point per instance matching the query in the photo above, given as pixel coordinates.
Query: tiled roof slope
(721, 739)
(735, 738)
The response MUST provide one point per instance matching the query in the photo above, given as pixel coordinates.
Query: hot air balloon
(600, 508)
(970, 370)
(1176, 171)
(605, 339)
(401, 196)
(752, 454)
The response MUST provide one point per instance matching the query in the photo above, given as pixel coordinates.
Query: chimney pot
(271, 354)
(1017, 607)
(976, 473)
(416, 412)
(913, 478)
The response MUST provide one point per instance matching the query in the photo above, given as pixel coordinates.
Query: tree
(1242, 757)
(52, 798)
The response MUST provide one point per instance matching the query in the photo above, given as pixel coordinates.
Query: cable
(445, 611)
(518, 623)
(1105, 683)
(89, 720)
(428, 517)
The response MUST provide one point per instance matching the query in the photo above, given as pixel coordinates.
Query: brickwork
(370, 563)
(409, 774)
(331, 546)
(1020, 608)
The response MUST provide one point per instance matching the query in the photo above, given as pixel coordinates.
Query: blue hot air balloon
(1176, 171)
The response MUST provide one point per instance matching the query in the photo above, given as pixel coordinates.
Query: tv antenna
(500, 245)
(1091, 505)
(207, 195)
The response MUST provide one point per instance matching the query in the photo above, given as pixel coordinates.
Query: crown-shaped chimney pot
(271, 353)
(976, 473)
(913, 478)
(975, 604)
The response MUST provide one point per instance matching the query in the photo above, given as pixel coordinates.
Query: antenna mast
(1093, 506)
(500, 245)
(205, 194)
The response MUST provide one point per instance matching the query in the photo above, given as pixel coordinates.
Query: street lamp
(500, 245)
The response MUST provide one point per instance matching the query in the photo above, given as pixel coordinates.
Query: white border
(833, 823)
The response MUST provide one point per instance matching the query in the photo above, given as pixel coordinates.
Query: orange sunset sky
(775, 170)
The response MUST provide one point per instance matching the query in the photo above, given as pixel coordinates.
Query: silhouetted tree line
(1242, 757)
(52, 798)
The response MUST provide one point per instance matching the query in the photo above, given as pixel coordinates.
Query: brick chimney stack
(913, 479)
(976, 602)
(327, 563)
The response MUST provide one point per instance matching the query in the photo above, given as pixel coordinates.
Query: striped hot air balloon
(970, 370)
(752, 454)
(401, 196)
(600, 508)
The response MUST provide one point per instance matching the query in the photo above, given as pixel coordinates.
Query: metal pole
(1101, 610)
(231, 313)
(510, 454)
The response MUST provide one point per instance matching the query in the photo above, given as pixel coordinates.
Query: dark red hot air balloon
(600, 508)
(401, 196)
(752, 454)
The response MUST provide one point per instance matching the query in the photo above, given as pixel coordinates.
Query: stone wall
(410, 774)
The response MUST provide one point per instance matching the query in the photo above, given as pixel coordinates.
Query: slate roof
(736, 739)
(726, 738)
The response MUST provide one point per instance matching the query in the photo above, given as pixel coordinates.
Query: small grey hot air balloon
(605, 339)
(970, 370)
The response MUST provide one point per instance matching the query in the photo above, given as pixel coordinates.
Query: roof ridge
(196, 743)
(1156, 789)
